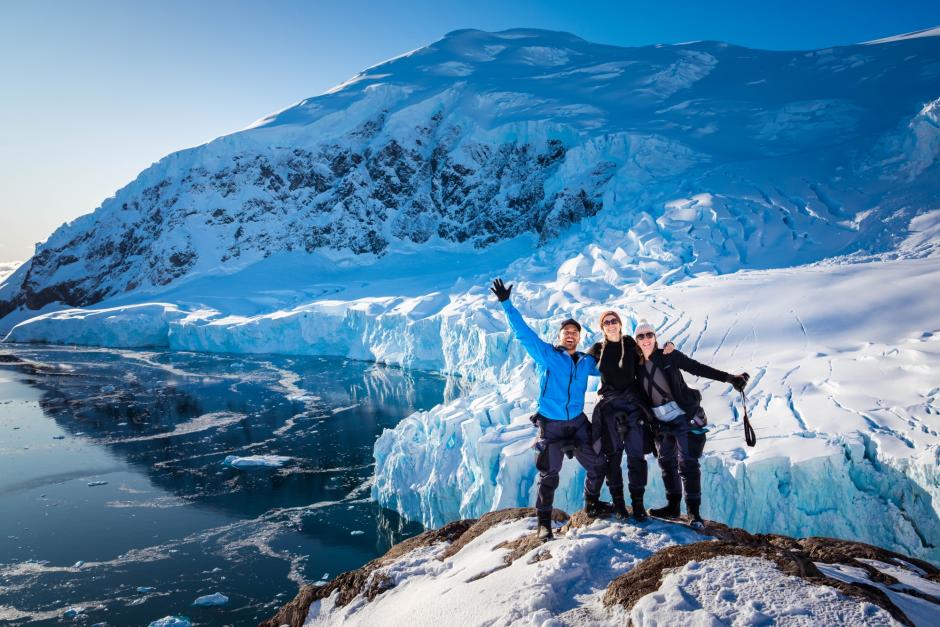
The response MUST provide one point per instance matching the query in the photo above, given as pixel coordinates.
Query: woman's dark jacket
(614, 378)
(687, 398)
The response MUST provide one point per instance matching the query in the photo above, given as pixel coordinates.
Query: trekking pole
(749, 436)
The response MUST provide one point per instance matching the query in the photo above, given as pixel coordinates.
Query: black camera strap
(749, 436)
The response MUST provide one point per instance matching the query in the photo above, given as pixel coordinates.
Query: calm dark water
(112, 480)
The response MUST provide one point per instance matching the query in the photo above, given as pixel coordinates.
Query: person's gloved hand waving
(502, 292)
(739, 381)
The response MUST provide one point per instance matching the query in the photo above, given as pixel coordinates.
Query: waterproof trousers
(619, 423)
(553, 435)
(679, 460)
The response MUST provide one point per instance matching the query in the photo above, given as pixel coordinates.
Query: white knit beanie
(643, 326)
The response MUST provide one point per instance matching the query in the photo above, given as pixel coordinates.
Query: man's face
(569, 337)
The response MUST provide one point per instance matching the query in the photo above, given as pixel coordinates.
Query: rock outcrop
(793, 557)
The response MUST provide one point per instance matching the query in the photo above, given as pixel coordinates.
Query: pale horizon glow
(95, 92)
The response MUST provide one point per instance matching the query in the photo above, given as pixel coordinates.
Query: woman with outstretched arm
(679, 419)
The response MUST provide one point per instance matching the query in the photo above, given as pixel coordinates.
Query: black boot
(695, 519)
(636, 503)
(671, 510)
(544, 530)
(620, 505)
(594, 507)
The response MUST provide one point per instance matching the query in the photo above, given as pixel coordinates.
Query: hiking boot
(670, 510)
(544, 530)
(695, 519)
(620, 507)
(639, 512)
(594, 507)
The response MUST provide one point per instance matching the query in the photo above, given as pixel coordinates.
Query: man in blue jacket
(563, 377)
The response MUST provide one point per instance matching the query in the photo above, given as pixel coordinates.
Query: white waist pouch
(668, 412)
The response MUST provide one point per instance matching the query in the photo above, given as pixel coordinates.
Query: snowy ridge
(602, 572)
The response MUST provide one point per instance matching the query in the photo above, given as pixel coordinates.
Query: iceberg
(211, 600)
(255, 461)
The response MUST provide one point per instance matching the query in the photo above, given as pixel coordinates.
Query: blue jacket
(562, 381)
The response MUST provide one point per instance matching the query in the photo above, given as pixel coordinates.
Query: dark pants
(678, 461)
(611, 414)
(552, 434)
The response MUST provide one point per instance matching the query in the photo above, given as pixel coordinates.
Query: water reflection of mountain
(175, 416)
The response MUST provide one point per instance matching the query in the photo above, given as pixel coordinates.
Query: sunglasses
(610, 321)
(643, 336)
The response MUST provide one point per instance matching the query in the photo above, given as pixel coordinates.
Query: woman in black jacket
(679, 420)
(621, 416)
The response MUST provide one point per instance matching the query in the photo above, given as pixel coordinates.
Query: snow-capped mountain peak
(481, 138)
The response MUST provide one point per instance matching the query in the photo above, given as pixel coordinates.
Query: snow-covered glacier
(769, 211)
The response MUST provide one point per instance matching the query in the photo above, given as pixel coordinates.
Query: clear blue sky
(95, 91)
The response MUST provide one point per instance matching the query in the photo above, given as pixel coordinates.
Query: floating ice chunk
(270, 461)
(78, 564)
(72, 612)
(145, 589)
(211, 600)
(92, 484)
(172, 621)
(357, 532)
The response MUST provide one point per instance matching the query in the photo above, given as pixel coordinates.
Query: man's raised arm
(533, 344)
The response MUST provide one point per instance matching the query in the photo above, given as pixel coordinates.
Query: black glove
(502, 292)
(739, 382)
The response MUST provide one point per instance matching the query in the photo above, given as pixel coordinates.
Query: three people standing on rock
(625, 411)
